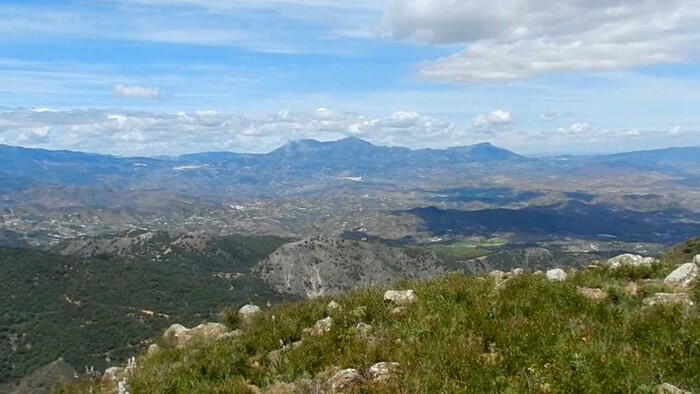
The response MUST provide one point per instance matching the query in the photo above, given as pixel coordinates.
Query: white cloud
(527, 38)
(137, 92)
(548, 116)
(497, 117)
(576, 129)
(140, 132)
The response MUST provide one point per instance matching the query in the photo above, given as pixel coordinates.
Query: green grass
(463, 250)
(463, 336)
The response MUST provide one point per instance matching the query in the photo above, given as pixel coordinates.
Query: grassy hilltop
(464, 334)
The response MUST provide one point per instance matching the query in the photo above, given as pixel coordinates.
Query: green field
(463, 250)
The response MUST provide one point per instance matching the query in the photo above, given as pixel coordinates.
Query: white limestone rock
(556, 275)
(405, 297)
(321, 327)
(333, 308)
(683, 276)
(178, 335)
(630, 260)
(668, 388)
(669, 299)
(380, 372)
(344, 379)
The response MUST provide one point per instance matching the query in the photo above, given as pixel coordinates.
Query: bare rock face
(380, 372)
(322, 266)
(630, 260)
(683, 276)
(597, 295)
(669, 299)
(556, 275)
(178, 335)
(405, 297)
(344, 379)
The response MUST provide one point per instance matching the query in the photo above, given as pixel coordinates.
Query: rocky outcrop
(380, 372)
(322, 266)
(321, 327)
(683, 276)
(178, 335)
(405, 297)
(668, 388)
(669, 299)
(630, 260)
(344, 379)
(556, 275)
(333, 308)
(248, 313)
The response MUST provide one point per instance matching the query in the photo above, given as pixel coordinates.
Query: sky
(154, 77)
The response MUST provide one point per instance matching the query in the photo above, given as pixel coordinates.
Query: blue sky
(175, 76)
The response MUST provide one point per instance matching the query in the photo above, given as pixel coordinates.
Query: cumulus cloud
(137, 92)
(576, 129)
(528, 38)
(497, 117)
(150, 133)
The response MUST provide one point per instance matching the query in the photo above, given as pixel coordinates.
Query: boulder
(630, 260)
(517, 271)
(178, 335)
(696, 259)
(497, 275)
(683, 276)
(667, 388)
(380, 372)
(248, 313)
(333, 308)
(556, 275)
(153, 349)
(597, 295)
(669, 299)
(344, 379)
(405, 297)
(321, 327)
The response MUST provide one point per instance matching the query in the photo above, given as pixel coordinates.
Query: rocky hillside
(626, 325)
(320, 266)
(222, 252)
(533, 258)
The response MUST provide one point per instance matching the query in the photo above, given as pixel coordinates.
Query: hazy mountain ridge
(350, 154)
(308, 187)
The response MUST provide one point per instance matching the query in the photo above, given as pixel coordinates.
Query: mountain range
(308, 188)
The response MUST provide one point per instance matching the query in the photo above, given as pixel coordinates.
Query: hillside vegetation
(463, 334)
(91, 308)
